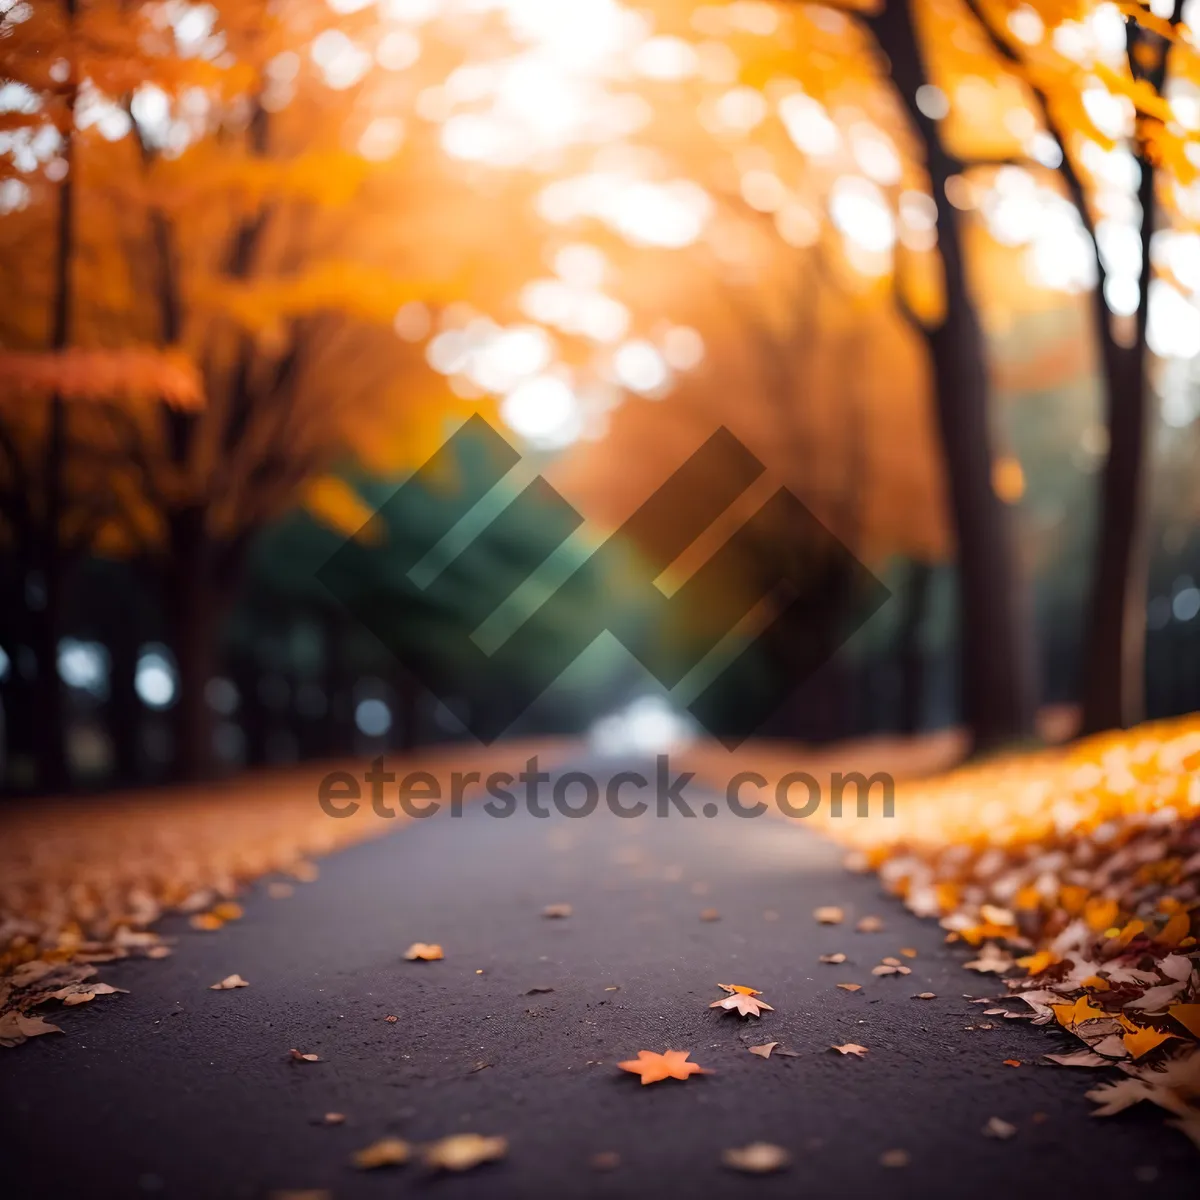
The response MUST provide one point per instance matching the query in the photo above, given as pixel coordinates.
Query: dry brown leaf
(991, 961)
(539, 989)
(462, 1151)
(889, 969)
(759, 1158)
(333, 1118)
(925, 996)
(850, 987)
(743, 1001)
(295, 1056)
(835, 959)
(894, 1158)
(870, 925)
(387, 1152)
(1079, 1058)
(851, 1048)
(671, 1064)
(763, 1051)
(829, 915)
(557, 911)
(908, 952)
(997, 1128)
(424, 952)
(16, 1028)
(228, 983)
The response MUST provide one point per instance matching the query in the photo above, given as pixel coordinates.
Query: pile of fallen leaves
(1075, 876)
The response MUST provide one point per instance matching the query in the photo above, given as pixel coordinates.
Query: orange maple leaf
(671, 1064)
(1079, 1012)
(1188, 1015)
(1141, 1039)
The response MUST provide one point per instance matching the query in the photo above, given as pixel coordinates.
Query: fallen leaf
(832, 958)
(387, 1152)
(206, 922)
(759, 1158)
(743, 1001)
(1140, 1040)
(1080, 1058)
(671, 1064)
(829, 915)
(462, 1151)
(992, 960)
(424, 951)
(1188, 1015)
(333, 1118)
(925, 996)
(228, 910)
(296, 1056)
(538, 990)
(557, 911)
(16, 1028)
(391, 1020)
(908, 952)
(997, 1128)
(888, 969)
(763, 1051)
(605, 1160)
(851, 1048)
(1070, 1015)
(894, 1158)
(1012, 1062)
(709, 914)
(229, 982)
(870, 925)
(850, 987)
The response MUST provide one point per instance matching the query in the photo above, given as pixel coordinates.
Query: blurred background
(935, 266)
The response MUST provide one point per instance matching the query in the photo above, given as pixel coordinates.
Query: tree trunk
(193, 617)
(995, 630)
(124, 704)
(909, 650)
(1114, 648)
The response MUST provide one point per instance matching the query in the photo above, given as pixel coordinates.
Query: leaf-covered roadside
(1075, 878)
(85, 885)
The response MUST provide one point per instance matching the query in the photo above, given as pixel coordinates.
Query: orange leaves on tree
(133, 374)
(654, 1068)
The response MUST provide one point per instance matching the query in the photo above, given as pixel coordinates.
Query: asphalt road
(180, 1092)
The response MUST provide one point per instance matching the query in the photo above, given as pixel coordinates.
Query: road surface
(183, 1093)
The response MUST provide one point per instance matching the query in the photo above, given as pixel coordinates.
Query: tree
(230, 294)
(1113, 678)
